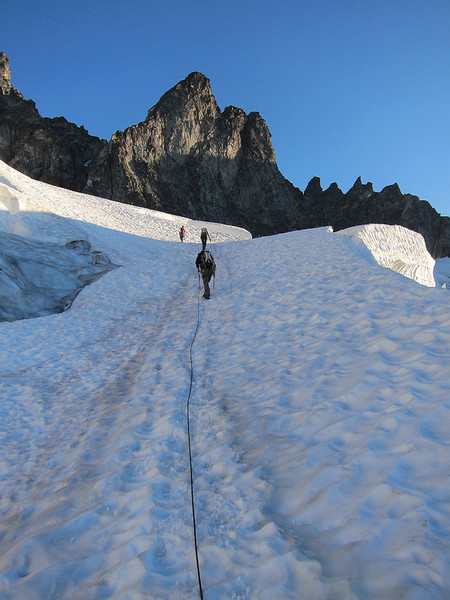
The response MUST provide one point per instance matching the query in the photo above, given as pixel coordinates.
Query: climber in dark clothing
(207, 267)
(204, 235)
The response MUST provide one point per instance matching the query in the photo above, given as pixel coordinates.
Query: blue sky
(347, 88)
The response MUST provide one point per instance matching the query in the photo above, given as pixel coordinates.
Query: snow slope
(319, 417)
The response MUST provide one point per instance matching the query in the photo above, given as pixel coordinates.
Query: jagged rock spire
(313, 188)
(361, 190)
(5, 74)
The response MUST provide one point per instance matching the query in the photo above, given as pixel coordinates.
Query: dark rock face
(361, 205)
(51, 150)
(192, 159)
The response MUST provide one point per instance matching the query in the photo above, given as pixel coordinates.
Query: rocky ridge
(50, 150)
(190, 158)
(361, 205)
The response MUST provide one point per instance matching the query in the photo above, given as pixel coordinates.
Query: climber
(204, 235)
(207, 267)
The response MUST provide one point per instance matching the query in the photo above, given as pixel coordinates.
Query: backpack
(207, 260)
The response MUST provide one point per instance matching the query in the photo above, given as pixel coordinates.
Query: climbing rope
(189, 444)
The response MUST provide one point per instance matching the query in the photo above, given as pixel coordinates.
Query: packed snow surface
(319, 415)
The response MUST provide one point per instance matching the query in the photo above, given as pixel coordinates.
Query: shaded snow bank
(41, 278)
(396, 248)
(442, 272)
(41, 273)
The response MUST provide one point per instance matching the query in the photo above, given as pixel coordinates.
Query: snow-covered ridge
(31, 208)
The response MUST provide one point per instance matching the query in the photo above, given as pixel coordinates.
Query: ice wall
(396, 248)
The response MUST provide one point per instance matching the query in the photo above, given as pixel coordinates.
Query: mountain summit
(190, 158)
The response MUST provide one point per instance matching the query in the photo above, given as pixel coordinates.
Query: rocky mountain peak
(392, 191)
(196, 81)
(51, 150)
(192, 93)
(191, 159)
(6, 89)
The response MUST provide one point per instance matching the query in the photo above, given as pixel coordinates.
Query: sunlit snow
(320, 413)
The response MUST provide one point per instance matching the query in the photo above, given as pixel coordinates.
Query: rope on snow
(189, 444)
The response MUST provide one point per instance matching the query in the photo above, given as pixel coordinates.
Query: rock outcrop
(5, 75)
(192, 159)
(361, 205)
(51, 150)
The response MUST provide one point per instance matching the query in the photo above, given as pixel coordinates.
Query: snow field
(334, 378)
(319, 418)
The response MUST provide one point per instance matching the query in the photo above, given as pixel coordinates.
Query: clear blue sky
(348, 88)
